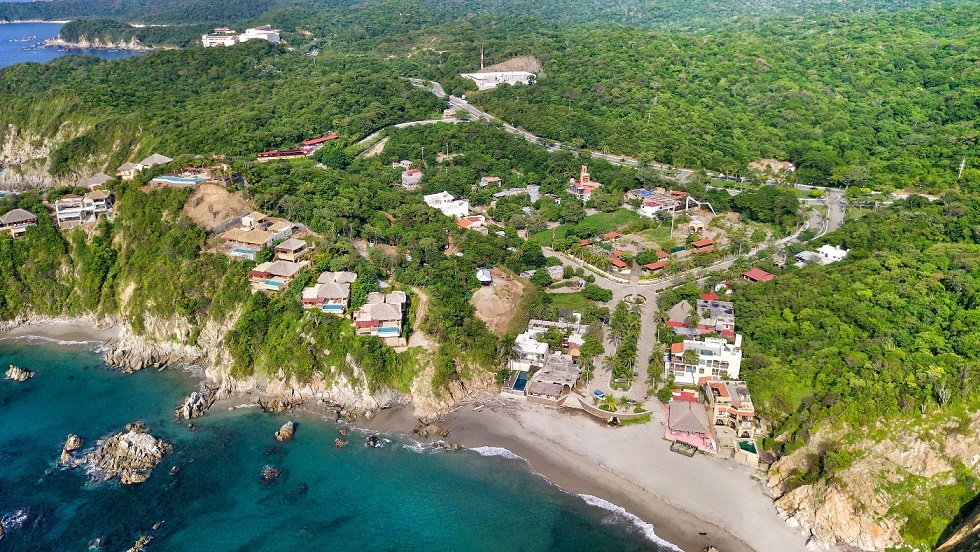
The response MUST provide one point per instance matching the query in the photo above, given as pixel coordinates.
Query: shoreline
(627, 467)
(54, 21)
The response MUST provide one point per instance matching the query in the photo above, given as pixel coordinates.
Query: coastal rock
(131, 45)
(195, 405)
(140, 544)
(286, 432)
(344, 432)
(18, 374)
(130, 455)
(373, 441)
(278, 404)
(429, 430)
(270, 474)
(339, 443)
(72, 443)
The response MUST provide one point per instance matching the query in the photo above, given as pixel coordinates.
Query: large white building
(449, 205)
(695, 362)
(223, 36)
(492, 79)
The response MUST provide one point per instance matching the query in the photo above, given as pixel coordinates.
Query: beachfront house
(293, 250)
(381, 315)
(16, 221)
(731, 406)
(331, 293)
(584, 186)
(273, 275)
(696, 361)
(554, 381)
(687, 422)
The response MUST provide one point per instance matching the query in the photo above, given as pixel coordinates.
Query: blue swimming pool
(274, 284)
(389, 332)
(243, 252)
(179, 180)
(521, 382)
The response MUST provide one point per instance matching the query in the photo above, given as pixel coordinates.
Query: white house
(223, 36)
(411, 178)
(831, 253)
(649, 209)
(706, 360)
(492, 79)
(74, 208)
(449, 205)
(265, 32)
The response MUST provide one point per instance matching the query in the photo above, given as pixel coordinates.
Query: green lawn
(573, 301)
(597, 224)
(658, 234)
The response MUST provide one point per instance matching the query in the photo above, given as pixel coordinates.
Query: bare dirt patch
(774, 165)
(495, 304)
(522, 63)
(210, 204)
(377, 148)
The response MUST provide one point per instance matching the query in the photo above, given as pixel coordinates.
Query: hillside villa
(15, 222)
(274, 275)
(411, 178)
(94, 182)
(825, 255)
(223, 36)
(128, 171)
(293, 250)
(75, 209)
(255, 232)
(488, 180)
(381, 315)
(486, 80)
(473, 222)
(331, 293)
(755, 275)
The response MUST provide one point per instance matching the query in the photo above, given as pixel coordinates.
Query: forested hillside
(114, 31)
(882, 340)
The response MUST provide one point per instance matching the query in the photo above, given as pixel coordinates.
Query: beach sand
(631, 467)
(66, 331)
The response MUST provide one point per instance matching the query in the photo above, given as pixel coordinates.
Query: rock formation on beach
(18, 374)
(130, 455)
(286, 432)
(72, 443)
(195, 405)
(428, 430)
(278, 404)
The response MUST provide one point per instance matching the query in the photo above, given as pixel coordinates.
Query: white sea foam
(496, 451)
(91, 343)
(620, 514)
(415, 446)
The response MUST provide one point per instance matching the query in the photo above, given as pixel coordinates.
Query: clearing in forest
(522, 63)
(496, 304)
(210, 204)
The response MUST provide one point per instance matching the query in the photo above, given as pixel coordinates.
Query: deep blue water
(15, 49)
(356, 498)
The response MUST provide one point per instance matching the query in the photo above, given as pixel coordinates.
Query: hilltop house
(473, 222)
(757, 275)
(381, 315)
(128, 171)
(491, 79)
(74, 209)
(488, 180)
(449, 205)
(584, 186)
(331, 293)
(256, 231)
(825, 255)
(694, 362)
(15, 222)
(223, 36)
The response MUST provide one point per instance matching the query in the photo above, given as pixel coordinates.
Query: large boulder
(18, 374)
(195, 405)
(278, 404)
(130, 455)
(286, 432)
(72, 443)
(430, 430)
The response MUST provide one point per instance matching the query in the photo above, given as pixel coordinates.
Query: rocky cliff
(25, 155)
(857, 506)
(133, 44)
(965, 537)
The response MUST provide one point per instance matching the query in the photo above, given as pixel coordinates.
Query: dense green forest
(238, 101)
(887, 334)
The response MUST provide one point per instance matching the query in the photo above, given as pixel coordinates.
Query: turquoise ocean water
(399, 497)
(20, 42)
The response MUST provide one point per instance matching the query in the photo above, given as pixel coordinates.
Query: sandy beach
(65, 331)
(691, 502)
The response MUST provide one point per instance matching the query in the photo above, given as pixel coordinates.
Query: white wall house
(712, 359)
(449, 205)
(223, 36)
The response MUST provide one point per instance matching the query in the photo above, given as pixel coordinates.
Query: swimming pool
(178, 180)
(242, 252)
(389, 332)
(274, 284)
(747, 446)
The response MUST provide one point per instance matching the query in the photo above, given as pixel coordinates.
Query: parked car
(599, 394)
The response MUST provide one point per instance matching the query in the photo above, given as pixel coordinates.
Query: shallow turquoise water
(394, 498)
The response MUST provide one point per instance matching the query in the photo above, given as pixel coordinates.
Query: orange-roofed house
(655, 267)
(618, 264)
(757, 275)
(611, 236)
(703, 246)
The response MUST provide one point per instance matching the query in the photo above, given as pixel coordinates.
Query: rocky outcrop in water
(195, 405)
(130, 455)
(140, 544)
(286, 432)
(72, 443)
(132, 353)
(339, 443)
(18, 374)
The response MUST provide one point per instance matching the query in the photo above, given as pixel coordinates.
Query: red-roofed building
(676, 324)
(617, 253)
(653, 267)
(710, 297)
(757, 275)
(684, 395)
(584, 243)
(611, 236)
(472, 222)
(618, 264)
(676, 348)
(320, 140)
(488, 180)
(703, 244)
(709, 249)
(584, 186)
(661, 255)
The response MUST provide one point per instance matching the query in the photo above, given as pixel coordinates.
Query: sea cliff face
(861, 505)
(132, 45)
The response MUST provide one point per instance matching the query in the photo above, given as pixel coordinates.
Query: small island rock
(130, 455)
(18, 374)
(72, 443)
(286, 432)
(339, 443)
(195, 405)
